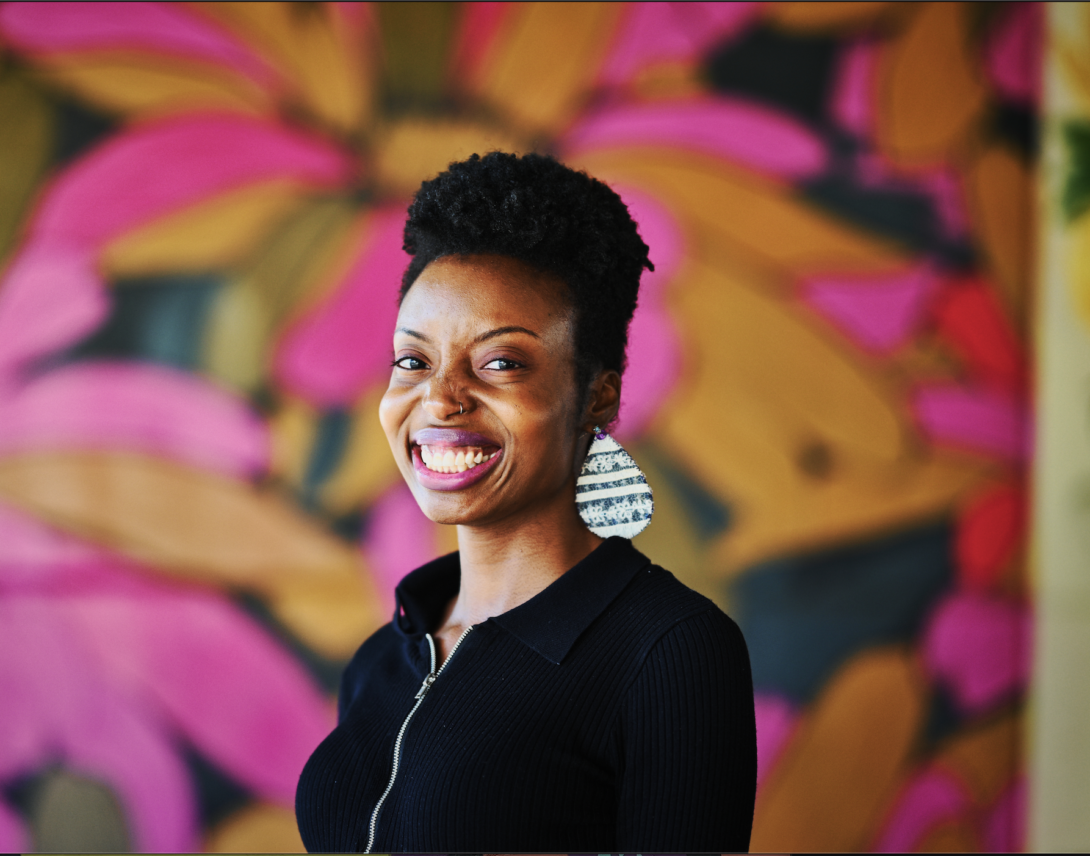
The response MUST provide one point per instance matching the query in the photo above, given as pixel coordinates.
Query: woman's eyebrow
(413, 333)
(499, 331)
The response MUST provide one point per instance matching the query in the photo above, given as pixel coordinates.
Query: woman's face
(481, 411)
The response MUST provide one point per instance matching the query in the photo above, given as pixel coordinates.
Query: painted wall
(828, 388)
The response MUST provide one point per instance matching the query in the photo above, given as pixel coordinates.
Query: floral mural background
(200, 214)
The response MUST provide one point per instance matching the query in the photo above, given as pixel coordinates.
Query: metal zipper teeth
(423, 691)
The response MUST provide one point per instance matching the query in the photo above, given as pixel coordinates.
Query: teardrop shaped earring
(612, 493)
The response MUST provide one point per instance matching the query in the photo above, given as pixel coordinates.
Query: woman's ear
(604, 401)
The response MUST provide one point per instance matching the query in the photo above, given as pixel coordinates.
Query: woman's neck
(504, 566)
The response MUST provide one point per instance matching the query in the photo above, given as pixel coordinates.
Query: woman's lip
(450, 437)
(451, 481)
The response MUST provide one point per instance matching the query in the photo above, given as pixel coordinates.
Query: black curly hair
(551, 217)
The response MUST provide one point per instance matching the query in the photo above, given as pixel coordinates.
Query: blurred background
(830, 387)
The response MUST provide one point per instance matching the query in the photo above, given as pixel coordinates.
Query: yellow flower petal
(409, 150)
(367, 468)
(146, 85)
(754, 220)
(187, 523)
(842, 767)
(296, 264)
(327, 61)
(211, 234)
(257, 828)
(811, 445)
(539, 65)
(26, 146)
(416, 42)
(333, 616)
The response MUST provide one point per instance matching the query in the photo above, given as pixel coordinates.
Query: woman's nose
(445, 397)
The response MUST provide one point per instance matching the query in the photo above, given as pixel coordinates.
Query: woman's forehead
(469, 292)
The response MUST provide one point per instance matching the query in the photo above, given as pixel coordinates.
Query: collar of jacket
(550, 621)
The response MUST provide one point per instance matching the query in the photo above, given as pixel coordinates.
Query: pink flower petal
(254, 712)
(141, 407)
(776, 720)
(43, 673)
(49, 298)
(853, 96)
(979, 647)
(159, 28)
(1005, 825)
(931, 797)
(654, 347)
(35, 558)
(658, 32)
(398, 539)
(153, 169)
(746, 133)
(59, 707)
(659, 229)
(14, 837)
(878, 313)
(344, 346)
(123, 746)
(1012, 55)
(989, 421)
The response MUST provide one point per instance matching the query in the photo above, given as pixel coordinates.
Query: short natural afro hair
(551, 217)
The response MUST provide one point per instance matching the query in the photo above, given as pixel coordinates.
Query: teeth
(450, 461)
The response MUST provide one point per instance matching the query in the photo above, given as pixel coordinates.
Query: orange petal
(931, 88)
(842, 767)
(1002, 197)
(985, 758)
(809, 16)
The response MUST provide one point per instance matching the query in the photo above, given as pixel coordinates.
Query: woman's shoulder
(656, 605)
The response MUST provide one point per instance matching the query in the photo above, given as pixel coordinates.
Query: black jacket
(611, 712)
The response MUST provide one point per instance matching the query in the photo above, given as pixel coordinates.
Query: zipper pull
(424, 687)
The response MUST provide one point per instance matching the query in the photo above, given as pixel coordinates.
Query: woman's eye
(502, 365)
(413, 364)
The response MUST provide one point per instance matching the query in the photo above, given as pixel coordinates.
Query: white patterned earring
(611, 493)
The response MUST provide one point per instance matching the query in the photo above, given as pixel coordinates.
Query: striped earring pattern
(611, 493)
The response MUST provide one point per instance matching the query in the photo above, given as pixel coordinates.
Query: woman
(542, 689)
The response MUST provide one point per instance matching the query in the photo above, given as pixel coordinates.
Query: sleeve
(689, 741)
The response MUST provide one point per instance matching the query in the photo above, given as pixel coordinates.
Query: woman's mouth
(451, 459)
(447, 459)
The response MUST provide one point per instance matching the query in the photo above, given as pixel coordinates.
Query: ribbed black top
(611, 712)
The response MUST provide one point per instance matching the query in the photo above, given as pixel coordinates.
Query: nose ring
(461, 410)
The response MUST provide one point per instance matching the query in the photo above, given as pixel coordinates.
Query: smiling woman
(542, 689)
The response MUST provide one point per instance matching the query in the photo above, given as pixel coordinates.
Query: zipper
(423, 691)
